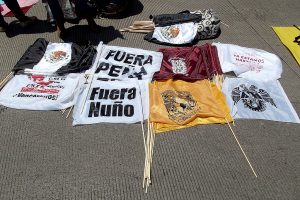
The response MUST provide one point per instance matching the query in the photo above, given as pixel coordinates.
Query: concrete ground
(43, 157)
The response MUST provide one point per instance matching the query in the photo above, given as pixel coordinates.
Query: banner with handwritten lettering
(121, 63)
(249, 63)
(40, 92)
(112, 101)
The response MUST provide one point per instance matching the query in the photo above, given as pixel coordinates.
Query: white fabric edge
(296, 117)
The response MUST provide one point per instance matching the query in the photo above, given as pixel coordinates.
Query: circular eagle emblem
(180, 105)
(56, 56)
(252, 97)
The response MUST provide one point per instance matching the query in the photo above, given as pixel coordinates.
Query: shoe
(3, 27)
(52, 23)
(28, 22)
(62, 34)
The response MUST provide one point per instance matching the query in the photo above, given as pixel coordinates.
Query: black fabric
(55, 9)
(179, 18)
(81, 58)
(32, 55)
(86, 8)
(14, 6)
(3, 22)
(105, 8)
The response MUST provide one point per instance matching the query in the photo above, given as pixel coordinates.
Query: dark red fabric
(24, 10)
(201, 62)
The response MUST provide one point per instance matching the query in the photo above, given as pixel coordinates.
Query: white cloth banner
(176, 34)
(56, 56)
(112, 101)
(40, 92)
(249, 63)
(123, 63)
(258, 100)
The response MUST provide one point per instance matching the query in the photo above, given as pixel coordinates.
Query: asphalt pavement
(43, 157)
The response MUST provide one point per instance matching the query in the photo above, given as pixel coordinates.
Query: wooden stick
(144, 135)
(146, 174)
(142, 121)
(241, 148)
(143, 131)
(134, 31)
(143, 23)
(150, 154)
(4, 81)
(8, 75)
(69, 112)
(90, 84)
(151, 144)
(141, 27)
(146, 155)
(96, 61)
(63, 111)
(145, 148)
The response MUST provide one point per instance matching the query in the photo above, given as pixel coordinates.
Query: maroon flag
(189, 63)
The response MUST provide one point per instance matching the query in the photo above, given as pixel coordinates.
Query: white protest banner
(258, 100)
(111, 101)
(121, 63)
(40, 92)
(249, 63)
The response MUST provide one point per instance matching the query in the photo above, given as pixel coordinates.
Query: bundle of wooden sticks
(139, 27)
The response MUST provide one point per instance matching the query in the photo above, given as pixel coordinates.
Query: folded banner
(253, 64)
(258, 100)
(179, 104)
(112, 101)
(189, 63)
(290, 37)
(122, 63)
(40, 92)
(44, 57)
(174, 29)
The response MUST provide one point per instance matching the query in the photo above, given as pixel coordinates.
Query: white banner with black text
(112, 102)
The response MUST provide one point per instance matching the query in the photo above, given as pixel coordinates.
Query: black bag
(171, 19)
